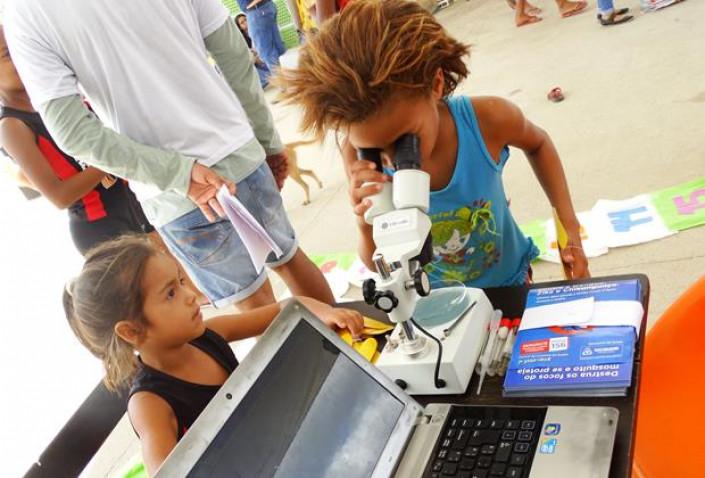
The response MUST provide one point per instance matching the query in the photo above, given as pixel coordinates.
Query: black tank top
(95, 205)
(186, 399)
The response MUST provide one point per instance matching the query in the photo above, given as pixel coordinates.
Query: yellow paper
(346, 336)
(376, 325)
(367, 347)
(369, 332)
(561, 234)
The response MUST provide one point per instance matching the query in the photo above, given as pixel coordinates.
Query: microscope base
(461, 350)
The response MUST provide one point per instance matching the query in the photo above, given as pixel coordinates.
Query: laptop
(304, 404)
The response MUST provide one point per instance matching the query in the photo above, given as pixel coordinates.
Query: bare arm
(234, 327)
(255, 322)
(155, 423)
(503, 123)
(20, 143)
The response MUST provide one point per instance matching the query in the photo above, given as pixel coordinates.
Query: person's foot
(533, 9)
(530, 9)
(614, 18)
(522, 19)
(621, 11)
(569, 8)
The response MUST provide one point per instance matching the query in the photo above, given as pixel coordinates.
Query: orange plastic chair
(671, 412)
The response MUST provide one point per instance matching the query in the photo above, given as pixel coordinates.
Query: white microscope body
(402, 234)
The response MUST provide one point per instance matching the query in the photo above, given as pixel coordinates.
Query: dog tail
(296, 144)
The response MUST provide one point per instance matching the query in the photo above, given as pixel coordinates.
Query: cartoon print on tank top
(465, 242)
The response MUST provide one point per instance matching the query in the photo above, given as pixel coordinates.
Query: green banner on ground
(683, 206)
(342, 260)
(536, 230)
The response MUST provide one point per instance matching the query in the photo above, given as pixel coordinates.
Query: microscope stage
(461, 349)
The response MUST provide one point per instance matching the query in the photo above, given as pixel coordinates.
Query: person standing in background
(262, 70)
(100, 207)
(175, 127)
(263, 29)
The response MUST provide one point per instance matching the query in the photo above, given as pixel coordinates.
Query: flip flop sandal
(532, 19)
(555, 95)
(579, 8)
(621, 11)
(615, 20)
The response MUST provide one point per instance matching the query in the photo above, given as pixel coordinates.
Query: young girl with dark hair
(130, 308)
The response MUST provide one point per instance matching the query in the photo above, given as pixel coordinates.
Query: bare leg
(263, 296)
(305, 279)
(521, 18)
(530, 8)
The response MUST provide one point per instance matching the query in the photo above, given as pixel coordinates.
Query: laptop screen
(311, 413)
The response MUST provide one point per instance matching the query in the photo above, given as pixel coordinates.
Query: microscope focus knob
(369, 291)
(386, 301)
(422, 284)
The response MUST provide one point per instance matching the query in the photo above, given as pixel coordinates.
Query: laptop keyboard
(487, 442)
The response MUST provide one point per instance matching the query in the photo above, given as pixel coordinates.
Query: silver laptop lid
(302, 403)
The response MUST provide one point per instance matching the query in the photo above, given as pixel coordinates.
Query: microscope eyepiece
(373, 155)
(407, 154)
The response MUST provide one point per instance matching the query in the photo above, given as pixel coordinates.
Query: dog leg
(310, 173)
(303, 185)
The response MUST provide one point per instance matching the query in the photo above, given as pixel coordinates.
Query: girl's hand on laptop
(360, 173)
(334, 317)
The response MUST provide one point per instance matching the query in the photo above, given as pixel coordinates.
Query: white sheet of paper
(358, 273)
(338, 281)
(616, 313)
(628, 222)
(564, 314)
(256, 240)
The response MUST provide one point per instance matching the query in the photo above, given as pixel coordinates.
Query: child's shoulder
(488, 108)
(492, 111)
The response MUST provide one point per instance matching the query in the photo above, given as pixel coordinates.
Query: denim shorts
(213, 254)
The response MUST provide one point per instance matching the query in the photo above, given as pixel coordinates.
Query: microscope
(422, 362)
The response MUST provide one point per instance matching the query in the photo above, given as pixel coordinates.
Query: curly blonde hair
(373, 50)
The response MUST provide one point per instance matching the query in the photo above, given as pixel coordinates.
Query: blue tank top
(475, 238)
